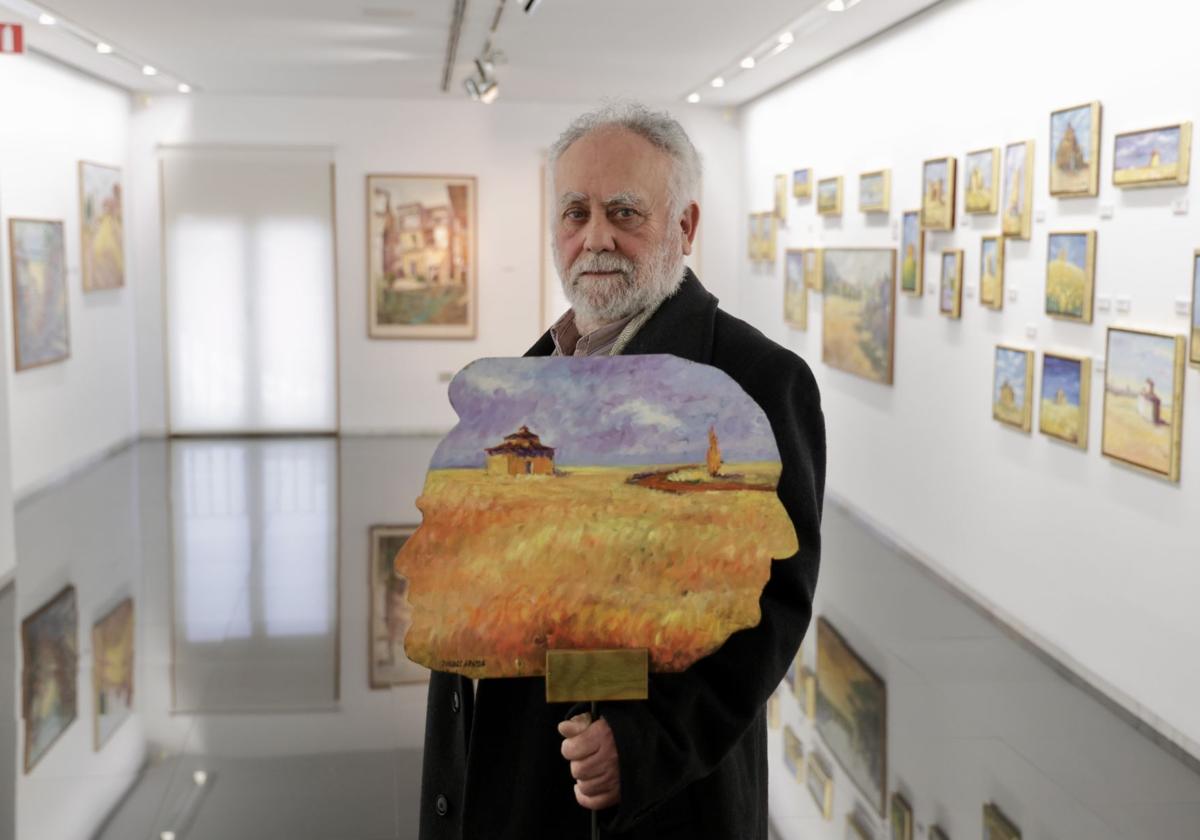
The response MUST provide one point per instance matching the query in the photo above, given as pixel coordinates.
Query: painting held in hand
(592, 503)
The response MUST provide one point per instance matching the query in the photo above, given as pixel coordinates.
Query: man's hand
(592, 751)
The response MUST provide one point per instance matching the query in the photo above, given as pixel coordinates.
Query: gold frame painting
(49, 673)
(901, 818)
(781, 198)
(1017, 219)
(774, 710)
(793, 754)
(939, 194)
(991, 275)
(880, 203)
(1012, 387)
(1138, 157)
(1138, 430)
(102, 227)
(1194, 356)
(802, 183)
(858, 314)
(996, 826)
(112, 671)
(40, 298)
(814, 269)
(912, 265)
(1071, 275)
(389, 614)
(1075, 162)
(1065, 398)
(422, 256)
(819, 781)
(981, 181)
(795, 289)
(951, 306)
(825, 205)
(805, 689)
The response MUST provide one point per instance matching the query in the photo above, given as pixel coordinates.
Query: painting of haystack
(982, 175)
(1143, 400)
(49, 673)
(112, 671)
(592, 503)
(102, 246)
(860, 311)
(852, 713)
(1075, 151)
(937, 194)
(421, 256)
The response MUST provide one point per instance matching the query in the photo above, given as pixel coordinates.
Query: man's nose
(599, 234)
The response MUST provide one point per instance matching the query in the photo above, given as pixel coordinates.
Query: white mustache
(603, 262)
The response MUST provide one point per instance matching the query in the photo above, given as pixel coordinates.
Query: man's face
(618, 244)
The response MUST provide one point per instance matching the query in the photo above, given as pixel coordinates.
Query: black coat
(693, 756)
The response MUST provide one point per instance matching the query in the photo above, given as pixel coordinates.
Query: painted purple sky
(603, 411)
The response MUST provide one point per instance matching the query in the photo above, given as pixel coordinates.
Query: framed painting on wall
(950, 292)
(806, 692)
(1143, 400)
(937, 194)
(996, 826)
(38, 261)
(814, 271)
(768, 230)
(902, 818)
(1018, 190)
(819, 780)
(793, 754)
(421, 256)
(102, 243)
(982, 187)
(859, 311)
(1075, 151)
(852, 713)
(781, 195)
(795, 291)
(937, 833)
(1071, 275)
(829, 196)
(1153, 157)
(1195, 352)
(857, 827)
(802, 183)
(49, 674)
(912, 254)
(1012, 388)
(875, 191)
(112, 671)
(391, 614)
(1066, 398)
(774, 713)
(991, 272)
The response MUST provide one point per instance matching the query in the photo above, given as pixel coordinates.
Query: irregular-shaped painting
(592, 503)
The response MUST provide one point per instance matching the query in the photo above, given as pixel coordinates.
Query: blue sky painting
(1135, 357)
(1081, 120)
(1075, 245)
(1059, 374)
(1134, 150)
(1010, 368)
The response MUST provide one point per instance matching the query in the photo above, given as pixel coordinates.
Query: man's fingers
(574, 726)
(579, 748)
(592, 767)
(597, 803)
(598, 787)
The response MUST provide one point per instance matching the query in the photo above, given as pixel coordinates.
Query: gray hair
(658, 127)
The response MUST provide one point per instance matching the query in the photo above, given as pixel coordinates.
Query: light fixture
(103, 48)
(46, 20)
(718, 82)
(184, 87)
(489, 92)
(147, 70)
(693, 98)
(841, 5)
(472, 88)
(787, 37)
(531, 6)
(748, 63)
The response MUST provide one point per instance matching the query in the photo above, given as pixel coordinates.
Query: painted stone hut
(522, 453)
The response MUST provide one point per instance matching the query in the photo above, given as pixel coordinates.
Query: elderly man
(689, 762)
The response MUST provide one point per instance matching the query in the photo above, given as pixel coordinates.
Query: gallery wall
(1088, 558)
(8, 559)
(397, 386)
(65, 413)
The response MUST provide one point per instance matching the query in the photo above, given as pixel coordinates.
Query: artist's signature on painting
(464, 663)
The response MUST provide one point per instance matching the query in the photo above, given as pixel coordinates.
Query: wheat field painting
(1065, 398)
(592, 503)
(859, 311)
(1070, 275)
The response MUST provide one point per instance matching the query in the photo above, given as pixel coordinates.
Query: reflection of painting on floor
(1143, 409)
(859, 311)
(391, 614)
(49, 675)
(112, 670)
(852, 713)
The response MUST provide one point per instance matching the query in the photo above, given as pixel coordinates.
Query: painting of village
(859, 311)
(1075, 151)
(49, 673)
(1143, 400)
(620, 502)
(1070, 275)
(852, 713)
(912, 253)
(1018, 190)
(1154, 157)
(1066, 382)
(112, 671)
(39, 278)
(795, 291)
(391, 614)
(991, 272)
(1012, 388)
(937, 202)
(421, 256)
(103, 242)
(982, 189)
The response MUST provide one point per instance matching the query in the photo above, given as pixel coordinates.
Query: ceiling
(566, 50)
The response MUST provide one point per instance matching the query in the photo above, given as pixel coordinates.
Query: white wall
(8, 559)
(1091, 558)
(393, 385)
(65, 413)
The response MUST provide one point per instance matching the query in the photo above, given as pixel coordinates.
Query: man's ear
(687, 224)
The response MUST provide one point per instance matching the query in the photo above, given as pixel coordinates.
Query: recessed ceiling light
(46, 20)
(748, 63)
(184, 87)
(787, 38)
(717, 82)
(693, 98)
(149, 71)
(841, 5)
(103, 48)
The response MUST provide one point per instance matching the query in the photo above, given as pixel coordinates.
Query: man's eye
(625, 213)
(574, 215)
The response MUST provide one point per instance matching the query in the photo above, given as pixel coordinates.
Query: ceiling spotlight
(693, 98)
(103, 48)
(748, 63)
(184, 87)
(472, 88)
(531, 6)
(718, 82)
(46, 20)
(841, 5)
(488, 92)
(787, 37)
(147, 70)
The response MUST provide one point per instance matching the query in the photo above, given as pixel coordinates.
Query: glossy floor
(261, 704)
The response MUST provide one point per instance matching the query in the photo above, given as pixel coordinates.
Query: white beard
(599, 301)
